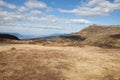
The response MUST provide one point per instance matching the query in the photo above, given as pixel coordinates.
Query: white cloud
(29, 15)
(9, 17)
(79, 21)
(117, 1)
(35, 12)
(94, 8)
(57, 20)
(22, 9)
(32, 15)
(35, 4)
(7, 5)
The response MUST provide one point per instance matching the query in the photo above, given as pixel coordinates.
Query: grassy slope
(102, 36)
(95, 35)
(34, 62)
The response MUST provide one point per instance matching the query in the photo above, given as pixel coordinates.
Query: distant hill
(95, 35)
(20, 36)
(47, 36)
(102, 36)
(8, 36)
(95, 30)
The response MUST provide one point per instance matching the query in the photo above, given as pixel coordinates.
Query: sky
(46, 17)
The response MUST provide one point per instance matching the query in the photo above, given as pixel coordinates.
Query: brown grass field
(37, 62)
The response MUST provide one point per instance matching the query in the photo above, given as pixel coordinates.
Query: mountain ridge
(93, 35)
(8, 36)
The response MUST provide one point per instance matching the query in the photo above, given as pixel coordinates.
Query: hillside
(66, 57)
(8, 36)
(98, 30)
(35, 62)
(95, 35)
(102, 36)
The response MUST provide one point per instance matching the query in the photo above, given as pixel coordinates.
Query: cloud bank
(39, 13)
(31, 12)
(93, 8)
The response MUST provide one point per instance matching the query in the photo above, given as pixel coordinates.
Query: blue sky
(45, 17)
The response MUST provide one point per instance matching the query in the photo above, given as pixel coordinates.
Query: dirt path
(34, 62)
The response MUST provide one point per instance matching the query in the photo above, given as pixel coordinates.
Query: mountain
(42, 36)
(97, 30)
(20, 36)
(52, 36)
(14, 34)
(8, 36)
(101, 36)
(95, 35)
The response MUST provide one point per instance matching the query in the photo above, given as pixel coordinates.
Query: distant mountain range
(8, 36)
(94, 35)
(27, 37)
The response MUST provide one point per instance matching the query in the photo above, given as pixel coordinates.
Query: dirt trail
(34, 62)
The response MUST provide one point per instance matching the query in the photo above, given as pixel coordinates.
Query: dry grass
(34, 62)
(101, 36)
